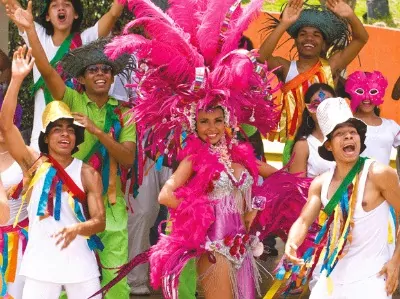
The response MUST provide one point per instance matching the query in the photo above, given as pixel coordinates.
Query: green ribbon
(64, 48)
(344, 185)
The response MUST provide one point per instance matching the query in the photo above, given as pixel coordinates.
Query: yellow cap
(56, 110)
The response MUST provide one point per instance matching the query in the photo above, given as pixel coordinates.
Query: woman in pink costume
(194, 90)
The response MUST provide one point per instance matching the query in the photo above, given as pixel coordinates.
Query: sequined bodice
(226, 184)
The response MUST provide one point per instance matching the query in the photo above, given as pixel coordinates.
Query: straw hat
(331, 113)
(54, 111)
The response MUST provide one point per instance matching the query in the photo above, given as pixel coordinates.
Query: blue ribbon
(57, 206)
(44, 197)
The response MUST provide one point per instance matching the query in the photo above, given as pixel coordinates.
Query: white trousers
(370, 288)
(36, 289)
(15, 288)
(145, 210)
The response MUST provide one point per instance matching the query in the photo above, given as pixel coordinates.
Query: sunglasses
(94, 69)
(312, 107)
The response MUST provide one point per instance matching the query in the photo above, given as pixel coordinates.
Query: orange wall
(382, 53)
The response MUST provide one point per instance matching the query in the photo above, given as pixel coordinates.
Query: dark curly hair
(307, 125)
(76, 25)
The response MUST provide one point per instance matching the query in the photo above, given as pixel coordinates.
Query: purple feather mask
(366, 86)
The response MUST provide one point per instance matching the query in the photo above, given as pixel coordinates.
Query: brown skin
(5, 68)
(123, 153)
(301, 151)
(382, 184)
(210, 128)
(308, 35)
(62, 29)
(61, 152)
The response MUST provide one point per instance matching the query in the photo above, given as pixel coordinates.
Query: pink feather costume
(188, 61)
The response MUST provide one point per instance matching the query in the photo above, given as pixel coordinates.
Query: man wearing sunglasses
(109, 136)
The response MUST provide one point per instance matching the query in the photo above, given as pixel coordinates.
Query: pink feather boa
(195, 214)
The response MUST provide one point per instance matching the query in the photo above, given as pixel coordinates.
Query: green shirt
(78, 102)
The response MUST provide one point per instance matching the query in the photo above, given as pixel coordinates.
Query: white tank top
(11, 177)
(293, 71)
(315, 164)
(369, 250)
(45, 261)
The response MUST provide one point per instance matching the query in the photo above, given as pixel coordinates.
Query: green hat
(333, 28)
(76, 61)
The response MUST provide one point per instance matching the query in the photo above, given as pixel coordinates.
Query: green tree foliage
(94, 9)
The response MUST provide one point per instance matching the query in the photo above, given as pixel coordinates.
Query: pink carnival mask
(312, 107)
(366, 86)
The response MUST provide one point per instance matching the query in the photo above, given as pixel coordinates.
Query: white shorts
(373, 287)
(36, 289)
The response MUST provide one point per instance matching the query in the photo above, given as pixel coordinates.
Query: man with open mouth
(58, 28)
(322, 40)
(351, 251)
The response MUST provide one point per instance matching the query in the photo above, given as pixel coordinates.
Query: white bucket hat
(333, 112)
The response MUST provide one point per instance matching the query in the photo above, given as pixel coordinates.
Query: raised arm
(289, 16)
(396, 90)
(4, 208)
(300, 158)
(91, 181)
(178, 179)
(340, 60)
(108, 20)
(299, 229)
(23, 18)
(22, 64)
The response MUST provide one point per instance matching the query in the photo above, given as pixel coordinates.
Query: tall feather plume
(235, 31)
(185, 13)
(146, 8)
(209, 29)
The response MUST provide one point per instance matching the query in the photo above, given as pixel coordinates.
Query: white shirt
(10, 177)
(316, 165)
(381, 139)
(50, 49)
(45, 261)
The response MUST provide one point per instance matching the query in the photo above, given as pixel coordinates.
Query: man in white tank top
(65, 208)
(354, 197)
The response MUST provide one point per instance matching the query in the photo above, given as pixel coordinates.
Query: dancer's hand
(23, 18)
(86, 122)
(292, 12)
(22, 63)
(391, 271)
(340, 8)
(291, 254)
(66, 235)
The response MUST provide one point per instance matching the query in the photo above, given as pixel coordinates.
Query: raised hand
(21, 17)
(292, 12)
(22, 63)
(340, 8)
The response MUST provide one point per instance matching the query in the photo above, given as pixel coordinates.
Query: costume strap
(329, 208)
(302, 77)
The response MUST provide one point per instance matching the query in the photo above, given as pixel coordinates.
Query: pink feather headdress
(189, 60)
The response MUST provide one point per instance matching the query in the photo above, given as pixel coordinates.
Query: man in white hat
(66, 208)
(353, 255)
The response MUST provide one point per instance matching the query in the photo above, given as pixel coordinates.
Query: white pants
(15, 288)
(369, 288)
(145, 210)
(36, 289)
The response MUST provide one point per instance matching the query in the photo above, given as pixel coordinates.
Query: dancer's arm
(108, 20)
(289, 16)
(299, 229)
(340, 60)
(22, 64)
(178, 179)
(4, 208)
(23, 18)
(396, 90)
(91, 181)
(300, 157)
(264, 169)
